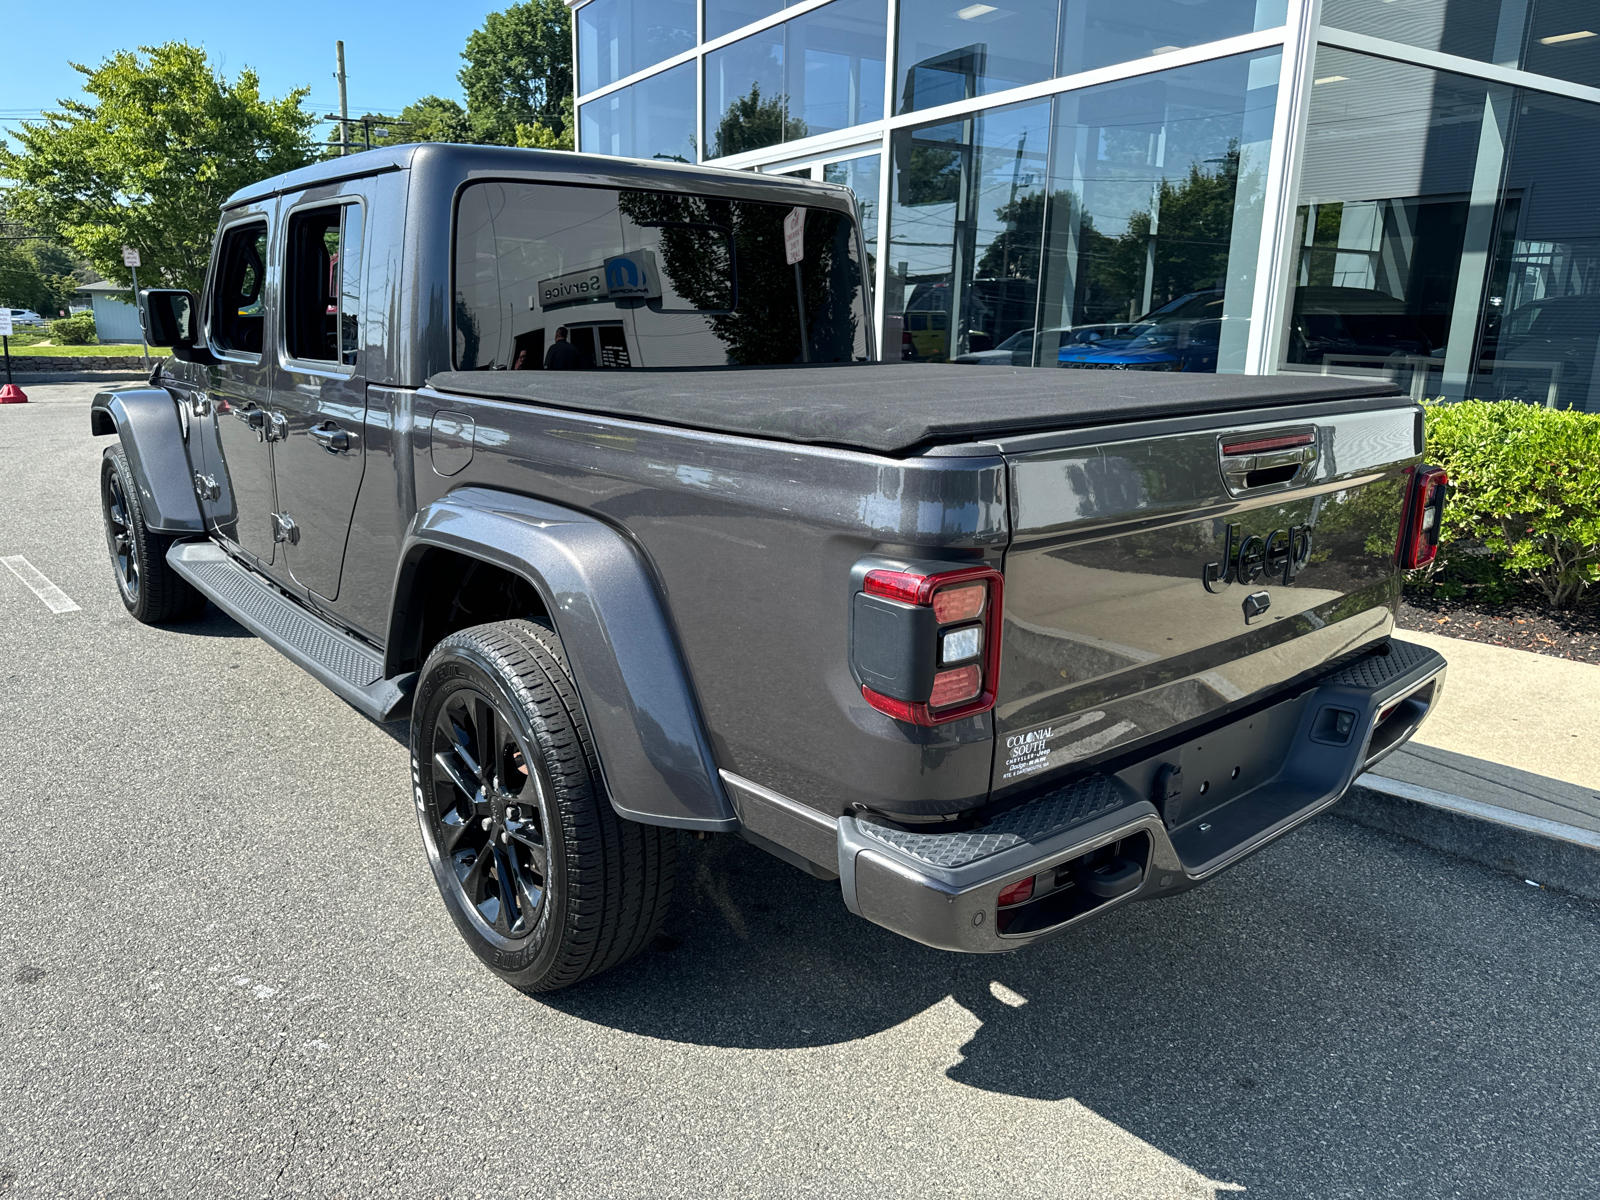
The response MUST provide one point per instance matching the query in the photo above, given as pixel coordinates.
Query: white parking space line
(54, 598)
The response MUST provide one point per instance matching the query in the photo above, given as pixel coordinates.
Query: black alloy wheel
(150, 589)
(544, 881)
(489, 815)
(120, 538)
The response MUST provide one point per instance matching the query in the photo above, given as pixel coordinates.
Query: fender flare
(655, 755)
(145, 419)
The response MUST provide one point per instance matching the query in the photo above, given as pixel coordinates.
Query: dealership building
(1400, 187)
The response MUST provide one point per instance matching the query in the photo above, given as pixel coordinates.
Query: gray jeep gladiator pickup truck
(997, 650)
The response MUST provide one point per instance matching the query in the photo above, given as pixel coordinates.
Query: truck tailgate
(1154, 581)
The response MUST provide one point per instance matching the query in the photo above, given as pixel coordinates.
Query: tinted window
(237, 310)
(649, 279)
(618, 37)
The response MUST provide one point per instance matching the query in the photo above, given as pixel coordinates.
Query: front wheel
(542, 878)
(150, 589)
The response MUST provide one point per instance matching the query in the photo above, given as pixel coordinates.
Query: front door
(319, 392)
(239, 500)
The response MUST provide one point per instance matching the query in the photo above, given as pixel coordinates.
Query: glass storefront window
(724, 16)
(653, 118)
(618, 37)
(1560, 38)
(949, 53)
(860, 175)
(1097, 33)
(1564, 41)
(1396, 221)
(1156, 197)
(1539, 335)
(817, 73)
(964, 235)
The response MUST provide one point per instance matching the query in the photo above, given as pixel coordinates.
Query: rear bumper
(1179, 817)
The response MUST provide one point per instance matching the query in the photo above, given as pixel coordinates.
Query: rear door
(1153, 582)
(318, 387)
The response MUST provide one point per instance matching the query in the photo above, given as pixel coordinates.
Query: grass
(100, 350)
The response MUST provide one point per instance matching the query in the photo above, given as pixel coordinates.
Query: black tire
(543, 879)
(150, 589)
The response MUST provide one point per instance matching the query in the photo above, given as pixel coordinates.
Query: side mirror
(169, 319)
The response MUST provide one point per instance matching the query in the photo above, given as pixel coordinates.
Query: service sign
(621, 277)
(130, 257)
(5, 322)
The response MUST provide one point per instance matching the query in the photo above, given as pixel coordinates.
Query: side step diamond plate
(353, 670)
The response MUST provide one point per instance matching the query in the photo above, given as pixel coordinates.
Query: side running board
(350, 668)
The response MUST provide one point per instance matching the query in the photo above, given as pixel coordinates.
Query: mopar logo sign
(621, 277)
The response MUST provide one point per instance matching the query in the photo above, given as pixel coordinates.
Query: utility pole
(344, 107)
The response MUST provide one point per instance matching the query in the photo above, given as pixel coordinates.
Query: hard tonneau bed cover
(892, 408)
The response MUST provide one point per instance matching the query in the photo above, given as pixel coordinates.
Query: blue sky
(394, 51)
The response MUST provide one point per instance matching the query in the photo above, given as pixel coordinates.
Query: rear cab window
(648, 279)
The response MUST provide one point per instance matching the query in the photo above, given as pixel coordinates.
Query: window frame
(280, 281)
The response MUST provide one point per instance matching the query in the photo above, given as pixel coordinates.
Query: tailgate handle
(1254, 461)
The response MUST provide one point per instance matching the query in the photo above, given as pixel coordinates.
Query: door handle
(277, 427)
(333, 439)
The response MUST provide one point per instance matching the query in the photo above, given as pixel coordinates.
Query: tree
(430, 119)
(751, 123)
(149, 159)
(519, 72)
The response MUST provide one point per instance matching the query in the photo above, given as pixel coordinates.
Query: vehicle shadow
(213, 622)
(1353, 1022)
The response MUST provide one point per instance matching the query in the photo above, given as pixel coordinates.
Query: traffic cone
(10, 393)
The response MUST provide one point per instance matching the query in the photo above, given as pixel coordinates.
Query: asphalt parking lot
(225, 971)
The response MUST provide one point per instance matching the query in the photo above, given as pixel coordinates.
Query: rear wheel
(150, 589)
(543, 879)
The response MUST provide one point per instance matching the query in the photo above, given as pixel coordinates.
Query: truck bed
(899, 408)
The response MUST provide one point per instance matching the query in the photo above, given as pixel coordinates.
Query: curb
(1563, 857)
(34, 378)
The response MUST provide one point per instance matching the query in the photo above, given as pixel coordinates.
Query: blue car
(1150, 346)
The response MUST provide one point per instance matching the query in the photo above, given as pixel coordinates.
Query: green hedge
(74, 331)
(1524, 500)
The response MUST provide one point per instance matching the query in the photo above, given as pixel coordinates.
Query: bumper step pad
(350, 668)
(1044, 817)
(1300, 754)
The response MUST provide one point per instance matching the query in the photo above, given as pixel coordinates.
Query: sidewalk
(1505, 771)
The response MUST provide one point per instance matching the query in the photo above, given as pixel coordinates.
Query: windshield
(649, 279)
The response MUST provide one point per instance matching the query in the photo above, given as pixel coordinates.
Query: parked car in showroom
(1169, 346)
(1354, 323)
(1545, 350)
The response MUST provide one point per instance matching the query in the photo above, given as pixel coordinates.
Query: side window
(236, 317)
(322, 285)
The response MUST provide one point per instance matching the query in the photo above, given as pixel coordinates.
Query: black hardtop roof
(894, 408)
(464, 162)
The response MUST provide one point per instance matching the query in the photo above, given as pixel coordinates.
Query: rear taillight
(1421, 517)
(926, 644)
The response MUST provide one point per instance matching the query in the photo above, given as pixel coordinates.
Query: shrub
(1524, 491)
(74, 331)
